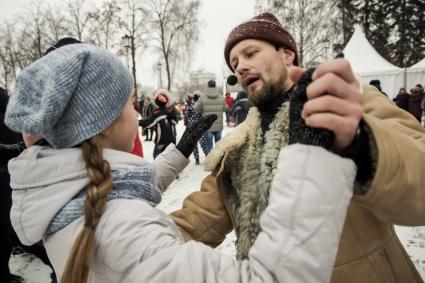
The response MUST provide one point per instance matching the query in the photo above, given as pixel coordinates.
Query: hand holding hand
(299, 132)
(334, 102)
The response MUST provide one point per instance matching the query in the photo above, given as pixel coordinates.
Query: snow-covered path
(34, 271)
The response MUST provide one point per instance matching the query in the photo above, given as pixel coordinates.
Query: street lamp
(126, 44)
(159, 66)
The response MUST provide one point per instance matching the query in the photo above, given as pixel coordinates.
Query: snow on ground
(34, 271)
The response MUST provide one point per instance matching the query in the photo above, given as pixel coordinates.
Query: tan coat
(369, 250)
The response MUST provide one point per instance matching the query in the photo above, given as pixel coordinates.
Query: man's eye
(235, 66)
(250, 54)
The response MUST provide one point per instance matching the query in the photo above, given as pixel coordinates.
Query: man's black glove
(299, 132)
(193, 133)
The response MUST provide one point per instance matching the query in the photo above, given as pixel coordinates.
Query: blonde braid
(81, 255)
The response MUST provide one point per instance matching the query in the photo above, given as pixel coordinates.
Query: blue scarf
(136, 183)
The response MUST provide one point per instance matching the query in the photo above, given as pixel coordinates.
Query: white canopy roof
(420, 64)
(416, 74)
(363, 57)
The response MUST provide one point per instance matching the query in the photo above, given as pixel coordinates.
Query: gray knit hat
(69, 95)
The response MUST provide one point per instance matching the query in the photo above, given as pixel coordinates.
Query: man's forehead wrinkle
(241, 49)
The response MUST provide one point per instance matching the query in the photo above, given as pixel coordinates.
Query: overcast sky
(218, 17)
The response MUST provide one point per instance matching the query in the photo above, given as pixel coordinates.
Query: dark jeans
(210, 136)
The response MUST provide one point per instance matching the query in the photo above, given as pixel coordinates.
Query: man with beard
(384, 141)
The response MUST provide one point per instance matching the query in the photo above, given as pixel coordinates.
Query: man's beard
(267, 93)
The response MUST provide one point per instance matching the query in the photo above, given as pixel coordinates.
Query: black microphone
(232, 80)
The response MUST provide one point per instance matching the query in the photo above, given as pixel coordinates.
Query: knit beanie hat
(70, 95)
(167, 94)
(264, 27)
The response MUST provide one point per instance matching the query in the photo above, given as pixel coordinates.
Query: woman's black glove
(193, 133)
(299, 132)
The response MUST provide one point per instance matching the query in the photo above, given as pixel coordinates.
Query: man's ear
(289, 57)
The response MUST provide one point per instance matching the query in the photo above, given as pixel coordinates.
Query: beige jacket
(369, 250)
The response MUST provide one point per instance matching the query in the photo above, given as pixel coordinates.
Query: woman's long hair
(81, 256)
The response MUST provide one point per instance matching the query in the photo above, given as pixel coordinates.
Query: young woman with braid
(93, 204)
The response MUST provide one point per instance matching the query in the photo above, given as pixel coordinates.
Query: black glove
(299, 132)
(193, 133)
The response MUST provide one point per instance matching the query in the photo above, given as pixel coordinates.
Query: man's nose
(242, 67)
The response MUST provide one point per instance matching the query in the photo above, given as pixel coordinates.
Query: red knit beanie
(264, 27)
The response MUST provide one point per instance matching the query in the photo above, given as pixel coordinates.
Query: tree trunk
(167, 66)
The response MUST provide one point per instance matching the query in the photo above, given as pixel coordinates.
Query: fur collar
(234, 139)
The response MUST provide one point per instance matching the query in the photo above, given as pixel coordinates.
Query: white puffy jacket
(138, 243)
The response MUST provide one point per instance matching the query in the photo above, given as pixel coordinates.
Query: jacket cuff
(364, 154)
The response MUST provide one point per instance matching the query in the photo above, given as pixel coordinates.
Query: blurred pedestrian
(162, 122)
(241, 107)
(212, 102)
(402, 99)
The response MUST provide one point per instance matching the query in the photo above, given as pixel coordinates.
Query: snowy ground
(34, 271)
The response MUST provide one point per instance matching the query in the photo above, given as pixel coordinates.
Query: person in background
(174, 112)
(191, 116)
(422, 103)
(146, 112)
(402, 99)
(229, 102)
(241, 107)
(212, 102)
(377, 84)
(162, 122)
(415, 101)
(137, 148)
(197, 116)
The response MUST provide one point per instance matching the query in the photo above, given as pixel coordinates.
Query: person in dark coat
(377, 84)
(191, 116)
(402, 99)
(415, 103)
(146, 112)
(162, 122)
(241, 107)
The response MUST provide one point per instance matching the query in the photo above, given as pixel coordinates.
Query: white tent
(416, 74)
(369, 65)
